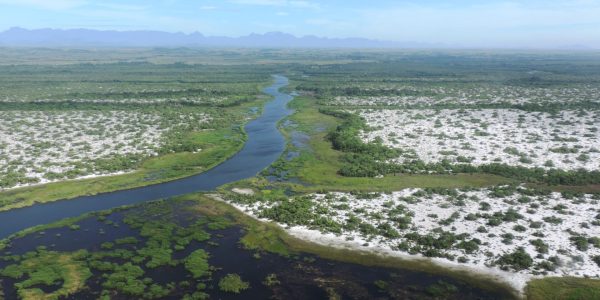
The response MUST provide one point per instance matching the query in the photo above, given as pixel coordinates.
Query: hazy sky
(493, 23)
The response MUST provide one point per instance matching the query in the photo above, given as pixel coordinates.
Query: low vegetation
(417, 154)
(233, 283)
(47, 268)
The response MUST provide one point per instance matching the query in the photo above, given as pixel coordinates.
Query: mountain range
(17, 36)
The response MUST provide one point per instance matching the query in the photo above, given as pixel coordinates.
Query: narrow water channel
(263, 146)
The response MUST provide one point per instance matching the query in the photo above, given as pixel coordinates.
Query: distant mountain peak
(47, 37)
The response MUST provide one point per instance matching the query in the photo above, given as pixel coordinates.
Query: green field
(563, 288)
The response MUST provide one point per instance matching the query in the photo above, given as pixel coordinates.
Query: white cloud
(504, 24)
(46, 4)
(121, 7)
(282, 3)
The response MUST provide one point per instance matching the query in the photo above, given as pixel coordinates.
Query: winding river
(263, 146)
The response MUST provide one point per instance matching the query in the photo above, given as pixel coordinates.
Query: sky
(461, 23)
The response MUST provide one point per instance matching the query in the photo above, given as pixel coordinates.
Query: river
(263, 146)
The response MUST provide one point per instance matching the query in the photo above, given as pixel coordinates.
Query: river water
(264, 145)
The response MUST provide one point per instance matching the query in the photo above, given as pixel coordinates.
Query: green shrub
(518, 260)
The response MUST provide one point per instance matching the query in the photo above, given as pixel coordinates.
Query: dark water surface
(301, 276)
(264, 145)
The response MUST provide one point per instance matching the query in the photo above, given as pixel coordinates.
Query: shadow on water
(263, 146)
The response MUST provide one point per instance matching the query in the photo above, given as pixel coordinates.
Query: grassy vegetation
(233, 283)
(217, 146)
(318, 166)
(197, 263)
(563, 288)
(272, 238)
(259, 235)
(48, 268)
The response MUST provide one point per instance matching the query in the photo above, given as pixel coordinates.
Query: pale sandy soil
(429, 213)
(566, 140)
(48, 146)
(476, 95)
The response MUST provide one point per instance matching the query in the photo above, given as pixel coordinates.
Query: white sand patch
(243, 191)
(424, 96)
(46, 181)
(566, 140)
(497, 221)
(515, 281)
(47, 146)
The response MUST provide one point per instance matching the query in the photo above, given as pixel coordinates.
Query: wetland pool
(157, 239)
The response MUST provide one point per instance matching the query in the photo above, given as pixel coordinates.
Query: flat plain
(478, 170)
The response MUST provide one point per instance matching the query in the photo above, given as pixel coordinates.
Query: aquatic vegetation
(48, 268)
(123, 263)
(271, 280)
(233, 283)
(441, 289)
(197, 263)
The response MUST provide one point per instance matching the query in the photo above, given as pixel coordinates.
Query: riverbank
(313, 169)
(126, 241)
(220, 160)
(326, 244)
(217, 145)
(337, 248)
